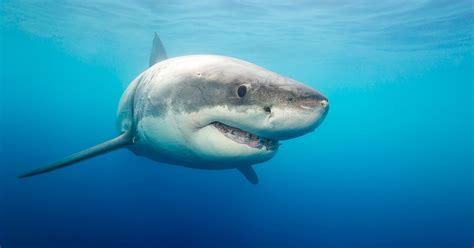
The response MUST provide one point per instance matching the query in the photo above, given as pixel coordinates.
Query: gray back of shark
(208, 112)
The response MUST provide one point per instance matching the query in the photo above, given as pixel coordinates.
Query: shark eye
(241, 91)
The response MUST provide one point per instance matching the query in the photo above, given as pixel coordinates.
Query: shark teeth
(243, 137)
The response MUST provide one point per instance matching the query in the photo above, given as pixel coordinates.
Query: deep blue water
(391, 166)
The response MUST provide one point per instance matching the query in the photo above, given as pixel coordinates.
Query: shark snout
(312, 100)
(324, 109)
(315, 107)
(302, 109)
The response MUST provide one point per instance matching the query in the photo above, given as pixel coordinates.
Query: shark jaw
(243, 137)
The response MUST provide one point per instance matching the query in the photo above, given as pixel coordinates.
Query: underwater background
(391, 166)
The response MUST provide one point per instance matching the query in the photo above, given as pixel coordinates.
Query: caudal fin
(120, 141)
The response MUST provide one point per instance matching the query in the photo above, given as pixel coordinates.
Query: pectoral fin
(122, 140)
(249, 173)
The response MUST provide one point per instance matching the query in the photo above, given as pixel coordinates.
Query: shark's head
(224, 111)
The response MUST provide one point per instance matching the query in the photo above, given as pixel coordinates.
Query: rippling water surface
(391, 166)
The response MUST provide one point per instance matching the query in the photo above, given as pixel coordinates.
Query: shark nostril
(267, 109)
(324, 103)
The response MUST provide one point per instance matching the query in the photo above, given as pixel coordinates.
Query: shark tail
(124, 139)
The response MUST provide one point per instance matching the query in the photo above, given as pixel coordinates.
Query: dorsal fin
(120, 141)
(249, 173)
(158, 52)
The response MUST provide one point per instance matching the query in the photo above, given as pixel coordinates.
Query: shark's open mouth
(243, 137)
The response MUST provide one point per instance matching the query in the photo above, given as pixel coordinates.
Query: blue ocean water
(391, 166)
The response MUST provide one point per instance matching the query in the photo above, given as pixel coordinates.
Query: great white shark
(208, 112)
